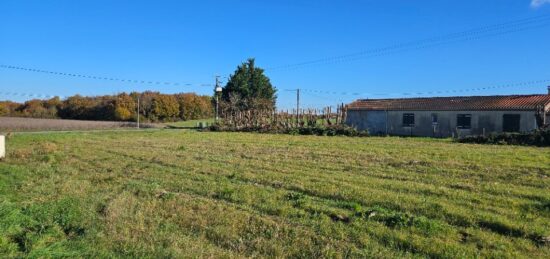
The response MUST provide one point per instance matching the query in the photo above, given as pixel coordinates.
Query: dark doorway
(510, 122)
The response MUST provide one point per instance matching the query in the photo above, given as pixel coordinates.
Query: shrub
(316, 130)
(539, 137)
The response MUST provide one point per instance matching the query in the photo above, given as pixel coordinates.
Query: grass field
(16, 124)
(189, 123)
(173, 193)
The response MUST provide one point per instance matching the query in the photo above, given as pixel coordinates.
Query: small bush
(315, 130)
(540, 137)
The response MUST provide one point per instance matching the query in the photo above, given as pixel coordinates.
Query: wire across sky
(467, 35)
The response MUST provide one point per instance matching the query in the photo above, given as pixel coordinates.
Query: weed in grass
(297, 199)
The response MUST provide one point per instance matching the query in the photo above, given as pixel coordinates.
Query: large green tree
(249, 88)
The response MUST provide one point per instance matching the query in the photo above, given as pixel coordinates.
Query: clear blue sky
(191, 41)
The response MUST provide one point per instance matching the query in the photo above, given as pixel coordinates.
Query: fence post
(2, 147)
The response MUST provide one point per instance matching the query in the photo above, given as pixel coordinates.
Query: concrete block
(2, 146)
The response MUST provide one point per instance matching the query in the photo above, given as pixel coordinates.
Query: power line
(100, 77)
(409, 49)
(32, 95)
(464, 90)
(315, 93)
(325, 98)
(487, 31)
(473, 34)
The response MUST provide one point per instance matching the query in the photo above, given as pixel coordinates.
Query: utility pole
(298, 104)
(138, 110)
(217, 91)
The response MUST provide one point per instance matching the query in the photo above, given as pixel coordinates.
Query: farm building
(450, 116)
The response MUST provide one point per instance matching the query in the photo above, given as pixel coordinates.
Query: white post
(2, 146)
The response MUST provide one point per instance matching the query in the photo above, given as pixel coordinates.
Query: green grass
(178, 193)
(189, 123)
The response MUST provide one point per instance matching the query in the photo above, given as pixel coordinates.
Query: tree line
(154, 107)
(248, 89)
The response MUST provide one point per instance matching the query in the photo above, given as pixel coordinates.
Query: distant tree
(39, 108)
(53, 102)
(165, 107)
(146, 103)
(8, 108)
(183, 100)
(33, 108)
(53, 105)
(4, 109)
(124, 107)
(79, 107)
(250, 87)
(193, 106)
(122, 114)
(205, 107)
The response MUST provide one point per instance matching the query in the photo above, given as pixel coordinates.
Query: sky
(397, 48)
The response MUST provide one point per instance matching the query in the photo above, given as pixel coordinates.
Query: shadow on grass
(180, 127)
(501, 228)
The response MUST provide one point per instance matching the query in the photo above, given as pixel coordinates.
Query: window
(408, 119)
(464, 121)
(510, 122)
(434, 118)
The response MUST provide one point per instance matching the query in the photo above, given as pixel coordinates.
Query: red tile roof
(470, 103)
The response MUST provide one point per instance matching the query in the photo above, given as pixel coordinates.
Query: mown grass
(189, 123)
(190, 194)
(19, 124)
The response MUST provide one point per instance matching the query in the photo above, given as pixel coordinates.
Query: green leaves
(249, 88)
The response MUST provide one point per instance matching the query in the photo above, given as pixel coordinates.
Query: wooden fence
(327, 116)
